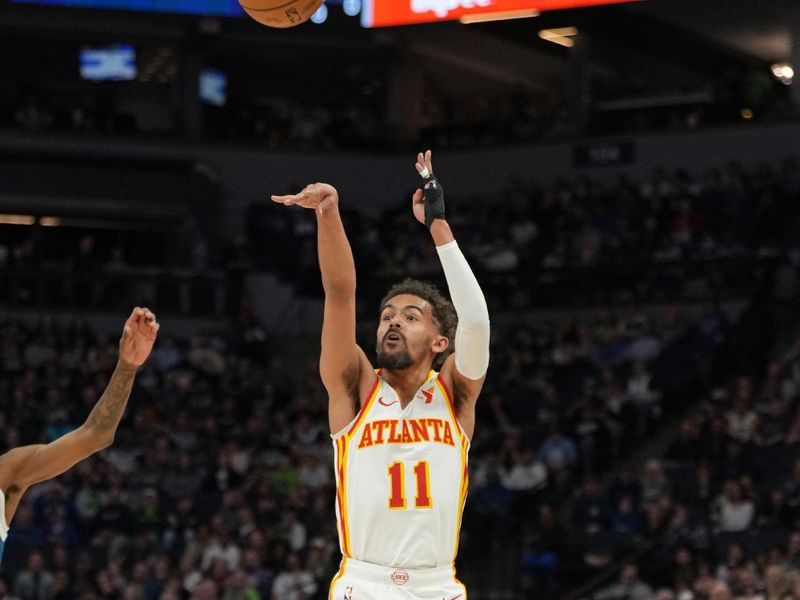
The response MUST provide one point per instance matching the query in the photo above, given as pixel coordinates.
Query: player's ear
(440, 344)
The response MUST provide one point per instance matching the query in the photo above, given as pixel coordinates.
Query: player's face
(405, 332)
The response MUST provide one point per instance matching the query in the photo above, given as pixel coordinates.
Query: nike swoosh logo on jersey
(382, 403)
(453, 598)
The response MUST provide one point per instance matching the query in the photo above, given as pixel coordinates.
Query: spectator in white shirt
(293, 583)
(735, 511)
(527, 472)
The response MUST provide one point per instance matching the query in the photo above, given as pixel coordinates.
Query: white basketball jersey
(401, 479)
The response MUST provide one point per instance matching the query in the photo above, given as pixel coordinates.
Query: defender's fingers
(284, 198)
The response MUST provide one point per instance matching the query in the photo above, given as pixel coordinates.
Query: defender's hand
(138, 336)
(317, 196)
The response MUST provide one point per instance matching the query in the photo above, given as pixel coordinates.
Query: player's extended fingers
(290, 199)
(136, 314)
(149, 318)
(422, 168)
(428, 162)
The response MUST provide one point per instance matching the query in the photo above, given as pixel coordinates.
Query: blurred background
(624, 179)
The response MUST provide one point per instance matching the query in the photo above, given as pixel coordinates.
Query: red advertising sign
(384, 13)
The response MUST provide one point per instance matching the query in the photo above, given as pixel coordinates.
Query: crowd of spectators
(353, 114)
(716, 517)
(578, 241)
(219, 484)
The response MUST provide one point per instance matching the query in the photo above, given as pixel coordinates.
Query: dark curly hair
(444, 315)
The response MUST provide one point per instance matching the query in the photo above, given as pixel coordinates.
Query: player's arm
(465, 369)
(28, 465)
(344, 368)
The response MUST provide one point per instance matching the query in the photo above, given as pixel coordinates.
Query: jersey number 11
(397, 479)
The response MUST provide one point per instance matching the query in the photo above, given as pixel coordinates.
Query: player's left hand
(427, 203)
(425, 169)
(138, 336)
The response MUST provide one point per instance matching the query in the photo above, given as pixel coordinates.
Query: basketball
(280, 13)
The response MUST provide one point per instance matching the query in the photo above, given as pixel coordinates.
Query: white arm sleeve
(472, 333)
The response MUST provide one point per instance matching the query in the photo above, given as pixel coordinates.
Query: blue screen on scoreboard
(221, 8)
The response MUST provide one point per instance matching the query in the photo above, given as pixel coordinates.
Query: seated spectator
(625, 519)
(655, 485)
(734, 512)
(771, 424)
(742, 420)
(688, 448)
(35, 582)
(527, 473)
(629, 587)
(775, 582)
(293, 582)
(644, 398)
(558, 452)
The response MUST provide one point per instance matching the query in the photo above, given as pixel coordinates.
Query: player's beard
(399, 359)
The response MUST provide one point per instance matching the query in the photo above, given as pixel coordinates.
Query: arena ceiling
(648, 47)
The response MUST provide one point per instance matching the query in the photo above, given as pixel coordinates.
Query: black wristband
(433, 195)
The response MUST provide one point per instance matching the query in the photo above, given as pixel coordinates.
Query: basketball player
(23, 467)
(401, 433)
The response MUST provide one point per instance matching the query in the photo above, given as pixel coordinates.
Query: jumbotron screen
(385, 13)
(222, 8)
(374, 13)
(217, 8)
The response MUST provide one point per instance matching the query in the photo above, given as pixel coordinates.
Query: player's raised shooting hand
(424, 165)
(317, 196)
(428, 202)
(138, 336)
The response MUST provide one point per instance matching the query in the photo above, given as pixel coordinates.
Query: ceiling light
(783, 72)
(351, 7)
(320, 15)
(17, 219)
(559, 31)
(499, 16)
(560, 35)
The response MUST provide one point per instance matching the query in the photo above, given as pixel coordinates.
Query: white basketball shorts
(358, 580)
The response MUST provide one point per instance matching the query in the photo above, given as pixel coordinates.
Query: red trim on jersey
(450, 405)
(341, 498)
(448, 396)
